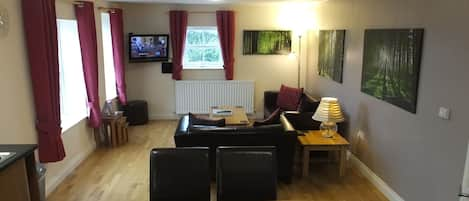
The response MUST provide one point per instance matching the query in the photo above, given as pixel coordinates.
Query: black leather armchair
(179, 174)
(281, 136)
(237, 181)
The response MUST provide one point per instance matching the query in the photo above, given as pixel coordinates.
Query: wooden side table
(313, 141)
(113, 122)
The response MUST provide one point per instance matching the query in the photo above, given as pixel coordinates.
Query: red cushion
(289, 98)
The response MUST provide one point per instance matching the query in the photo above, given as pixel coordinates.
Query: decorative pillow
(194, 120)
(274, 118)
(307, 105)
(288, 98)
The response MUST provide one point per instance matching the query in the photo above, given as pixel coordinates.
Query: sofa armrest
(302, 120)
(183, 126)
(287, 126)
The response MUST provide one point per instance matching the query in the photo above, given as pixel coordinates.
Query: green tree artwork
(391, 66)
(331, 54)
(266, 42)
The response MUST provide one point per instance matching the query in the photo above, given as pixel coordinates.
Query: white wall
(419, 155)
(145, 81)
(17, 122)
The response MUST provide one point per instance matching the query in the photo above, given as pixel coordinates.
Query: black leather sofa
(300, 119)
(282, 136)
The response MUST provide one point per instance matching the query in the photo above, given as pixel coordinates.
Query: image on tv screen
(149, 47)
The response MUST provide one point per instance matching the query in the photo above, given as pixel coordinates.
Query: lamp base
(328, 129)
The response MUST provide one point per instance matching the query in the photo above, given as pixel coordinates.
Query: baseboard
(375, 179)
(52, 184)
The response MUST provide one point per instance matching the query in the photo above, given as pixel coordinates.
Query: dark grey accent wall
(418, 155)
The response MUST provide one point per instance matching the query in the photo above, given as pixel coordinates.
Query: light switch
(444, 113)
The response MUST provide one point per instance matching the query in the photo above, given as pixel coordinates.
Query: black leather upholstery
(301, 119)
(270, 103)
(136, 112)
(246, 173)
(179, 174)
(281, 136)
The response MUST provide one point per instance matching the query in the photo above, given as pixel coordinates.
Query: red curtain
(87, 33)
(178, 28)
(226, 32)
(117, 32)
(40, 27)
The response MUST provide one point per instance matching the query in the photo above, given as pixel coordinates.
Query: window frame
(202, 66)
(68, 121)
(108, 57)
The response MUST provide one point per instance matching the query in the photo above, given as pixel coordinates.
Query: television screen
(148, 47)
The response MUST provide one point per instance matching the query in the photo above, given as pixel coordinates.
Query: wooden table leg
(120, 139)
(126, 132)
(113, 134)
(97, 137)
(305, 162)
(342, 161)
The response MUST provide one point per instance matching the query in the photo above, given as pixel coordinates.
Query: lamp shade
(328, 111)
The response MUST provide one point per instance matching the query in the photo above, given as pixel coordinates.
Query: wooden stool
(111, 123)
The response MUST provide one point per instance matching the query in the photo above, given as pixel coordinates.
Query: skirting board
(375, 179)
(78, 159)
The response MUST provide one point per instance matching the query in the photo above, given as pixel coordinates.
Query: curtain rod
(78, 3)
(112, 10)
(199, 12)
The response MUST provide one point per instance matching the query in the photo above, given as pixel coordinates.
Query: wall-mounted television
(148, 47)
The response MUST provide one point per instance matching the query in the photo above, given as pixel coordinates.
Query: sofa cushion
(288, 98)
(274, 118)
(307, 104)
(195, 120)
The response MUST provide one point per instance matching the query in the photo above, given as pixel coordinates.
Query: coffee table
(237, 117)
(313, 141)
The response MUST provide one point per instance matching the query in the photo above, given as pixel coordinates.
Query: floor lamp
(299, 60)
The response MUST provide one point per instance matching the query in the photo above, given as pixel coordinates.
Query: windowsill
(111, 99)
(73, 123)
(202, 68)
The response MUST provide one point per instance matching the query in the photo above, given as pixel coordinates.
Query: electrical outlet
(444, 113)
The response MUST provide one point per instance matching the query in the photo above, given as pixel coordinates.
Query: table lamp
(329, 113)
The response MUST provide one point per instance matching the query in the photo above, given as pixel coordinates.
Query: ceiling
(211, 1)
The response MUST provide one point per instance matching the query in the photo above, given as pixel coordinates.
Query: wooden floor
(121, 174)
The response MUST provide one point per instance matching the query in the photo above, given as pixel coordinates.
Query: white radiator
(197, 96)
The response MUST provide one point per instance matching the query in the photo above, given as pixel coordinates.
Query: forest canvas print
(391, 66)
(331, 54)
(266, 42)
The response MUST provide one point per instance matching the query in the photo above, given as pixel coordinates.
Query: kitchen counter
(18, 174)
(21, 151)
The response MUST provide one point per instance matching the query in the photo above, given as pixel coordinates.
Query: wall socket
(444, 113)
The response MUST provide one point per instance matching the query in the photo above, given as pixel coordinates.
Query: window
(202, 50)
(73, 99)
(109, 73)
